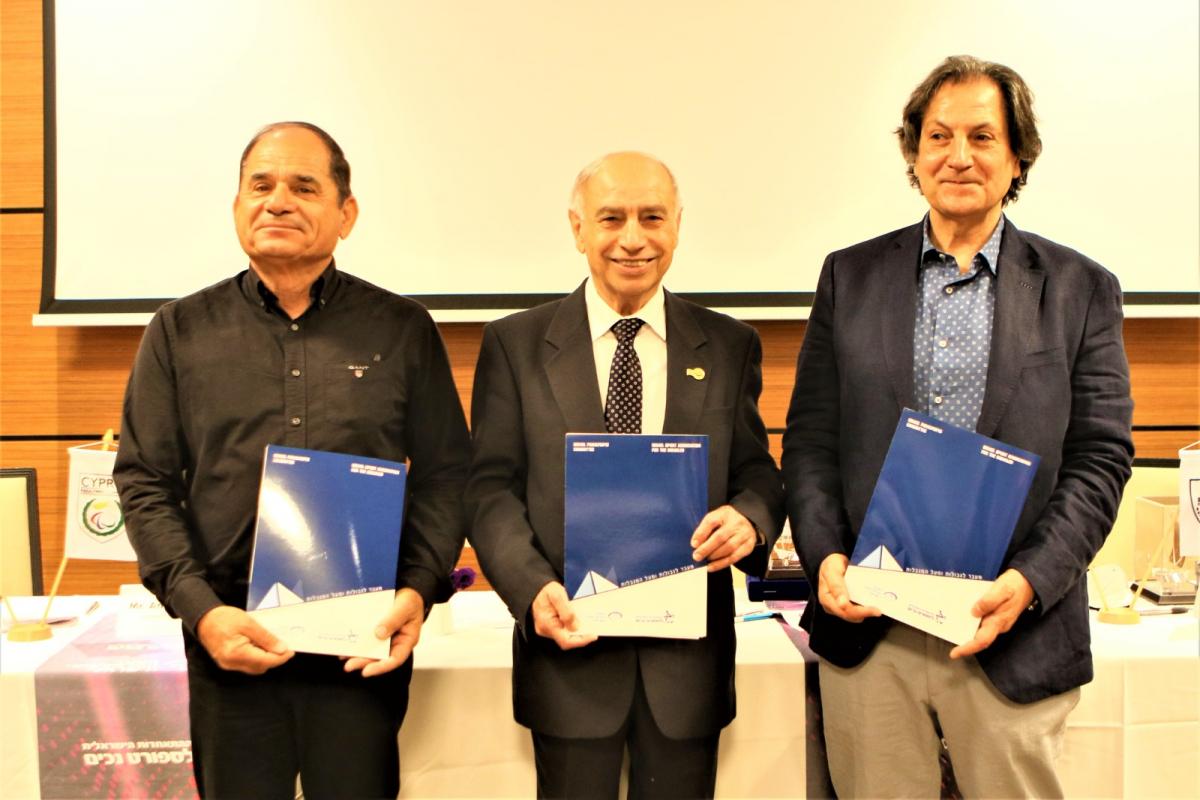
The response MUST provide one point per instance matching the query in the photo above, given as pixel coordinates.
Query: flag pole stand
(25, 631)
(40, 630)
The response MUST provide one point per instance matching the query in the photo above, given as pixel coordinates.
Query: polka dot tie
(623, 406)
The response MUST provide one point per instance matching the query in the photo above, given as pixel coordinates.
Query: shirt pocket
(362, 396)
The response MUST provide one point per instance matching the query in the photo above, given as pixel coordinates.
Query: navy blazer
(535, 382)
(1057, 385)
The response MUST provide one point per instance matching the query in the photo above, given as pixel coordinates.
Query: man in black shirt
(290, 352)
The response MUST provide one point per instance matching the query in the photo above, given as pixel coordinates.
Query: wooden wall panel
(55, 380)
(49, 458)
(1164, 365)
(69, 381)
(21, 104)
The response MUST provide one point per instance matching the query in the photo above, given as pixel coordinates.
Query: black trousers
(252, 735)
(659, 767)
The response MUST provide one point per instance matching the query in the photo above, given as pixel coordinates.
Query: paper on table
(30, 609)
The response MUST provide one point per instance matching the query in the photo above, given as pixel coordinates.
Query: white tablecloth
(1136, 732)
(459, 738)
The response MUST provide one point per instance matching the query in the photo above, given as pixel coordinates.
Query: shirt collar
(990, 250)
(601, 316)
(321, 292)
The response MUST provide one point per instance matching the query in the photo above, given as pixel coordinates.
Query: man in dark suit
(978, 324)
(540, 375)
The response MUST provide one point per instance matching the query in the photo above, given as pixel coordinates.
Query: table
(1135, 733)
(459, 738)
(466, 744)
(1136, 730)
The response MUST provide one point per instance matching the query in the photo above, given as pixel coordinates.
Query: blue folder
(632, 503)
(328, 526)
(946, 501)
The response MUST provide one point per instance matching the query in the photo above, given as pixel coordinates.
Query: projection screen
(465, 123)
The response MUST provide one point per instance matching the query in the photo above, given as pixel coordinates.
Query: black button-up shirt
(222, 373)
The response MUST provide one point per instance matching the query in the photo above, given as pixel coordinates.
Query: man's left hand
(997, 610)
(403, 625)
(722, 538)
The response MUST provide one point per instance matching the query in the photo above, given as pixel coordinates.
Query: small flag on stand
(95, 522)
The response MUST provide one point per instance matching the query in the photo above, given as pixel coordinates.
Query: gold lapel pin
(696, 372)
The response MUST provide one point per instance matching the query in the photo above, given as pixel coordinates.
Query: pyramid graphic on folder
(594, 583)
(280, 595)
(881, 558)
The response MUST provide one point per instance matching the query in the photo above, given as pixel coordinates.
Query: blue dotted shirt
(953, 335)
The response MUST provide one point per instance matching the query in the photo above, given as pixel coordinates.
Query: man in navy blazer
(968, 319)
(538, 378)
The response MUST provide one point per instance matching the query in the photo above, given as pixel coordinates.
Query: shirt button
(295, 373)
(296, 420)
(943, 342)
(949, 290)
(295, 326)
(937, 401)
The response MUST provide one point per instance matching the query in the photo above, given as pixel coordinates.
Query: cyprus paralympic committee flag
(95, 522)
(1189, 500)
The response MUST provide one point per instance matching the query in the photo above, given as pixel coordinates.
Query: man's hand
(832, 592)
(237, 642)
(554, 618)
(997, 610)
(722, 538)
(403, 625)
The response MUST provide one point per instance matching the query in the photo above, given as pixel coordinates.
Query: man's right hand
(237, 642)
(554, 618)
(832, 592)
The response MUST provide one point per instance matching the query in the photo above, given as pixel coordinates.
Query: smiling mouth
(633, 262)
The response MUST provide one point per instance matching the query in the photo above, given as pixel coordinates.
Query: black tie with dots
(623, 408)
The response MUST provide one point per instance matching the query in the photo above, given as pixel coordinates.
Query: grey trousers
(880, 720)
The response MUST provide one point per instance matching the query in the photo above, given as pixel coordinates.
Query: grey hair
(575, 204)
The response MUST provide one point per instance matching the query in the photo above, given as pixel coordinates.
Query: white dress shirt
(650, 344)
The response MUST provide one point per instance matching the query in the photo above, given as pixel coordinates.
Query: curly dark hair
(1023, 136)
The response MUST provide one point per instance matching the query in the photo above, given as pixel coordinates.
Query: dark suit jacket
(535, 382)
(1057, 385)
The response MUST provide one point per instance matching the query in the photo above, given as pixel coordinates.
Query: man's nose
(960, 152)
(280, 200)
(633, 238)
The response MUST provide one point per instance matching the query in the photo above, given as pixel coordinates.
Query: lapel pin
(696, 373)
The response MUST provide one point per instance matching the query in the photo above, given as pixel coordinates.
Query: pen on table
(1155, 612)
(757, 615)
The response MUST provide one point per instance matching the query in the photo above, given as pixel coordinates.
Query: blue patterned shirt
(953, 335)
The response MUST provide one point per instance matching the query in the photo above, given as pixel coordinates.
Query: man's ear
(349, 216)
(576, 229)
